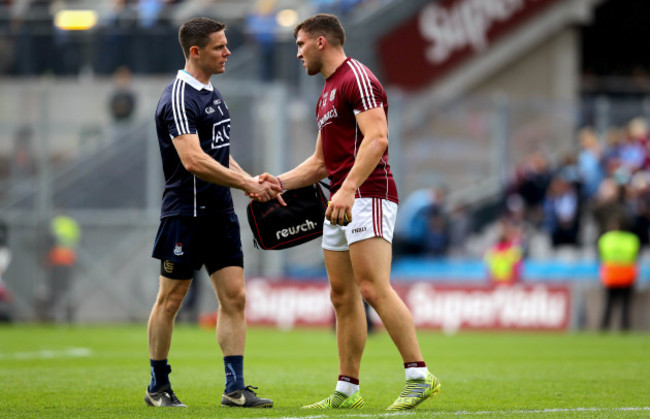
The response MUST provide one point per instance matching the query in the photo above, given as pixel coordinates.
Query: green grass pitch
(102, 372)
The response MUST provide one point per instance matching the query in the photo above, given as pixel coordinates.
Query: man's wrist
(280, 182)
(347, 188)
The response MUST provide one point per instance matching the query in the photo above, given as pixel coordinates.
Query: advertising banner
(288, 303)
(443, 34)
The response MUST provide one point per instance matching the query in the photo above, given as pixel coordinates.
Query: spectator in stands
(118, 29)
(618, 250)
(609, 203)
(632, 150)
(33, 25)
(518, 227)
(562, 212)
(262, 26)
(6, 42)
(413, 222)
(637, 202)
(570, 172)
(612, 161)
(148, 12)
(437, 232)
(589, 162)
(123, 100)
(637, 133)
(154, 35)
(532, 180)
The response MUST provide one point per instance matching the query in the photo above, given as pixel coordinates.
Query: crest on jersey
(217, 102)
(332, 94)
(209, 110)
(178, 249)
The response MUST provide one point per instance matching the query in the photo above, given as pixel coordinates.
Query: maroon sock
(416, 364)
(350, 380)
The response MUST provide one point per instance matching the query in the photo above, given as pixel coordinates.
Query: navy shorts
(184, 244)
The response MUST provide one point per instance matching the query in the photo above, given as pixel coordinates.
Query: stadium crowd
(607, 176)
(128, 30)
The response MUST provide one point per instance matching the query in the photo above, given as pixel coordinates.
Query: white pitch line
(50, 354)
(482, 412)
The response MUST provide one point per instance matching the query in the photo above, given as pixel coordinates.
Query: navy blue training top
(187, 106)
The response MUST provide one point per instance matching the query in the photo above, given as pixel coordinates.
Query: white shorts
(371, 217)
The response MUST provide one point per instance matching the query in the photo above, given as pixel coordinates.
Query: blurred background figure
(609, 203)
(56, 300)
(123, 101)
(562, 212)
(589, 162)
(637, 200)
(32, 24)
(632, 150)
(422, 224)
(504, 259)
(23, 162)
(437, 239)
(612, 160)
(532, 179)
(5, 258)
(618, 250)
(118, 24)
(261, 27)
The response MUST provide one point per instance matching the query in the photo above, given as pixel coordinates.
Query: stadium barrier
(288, 303)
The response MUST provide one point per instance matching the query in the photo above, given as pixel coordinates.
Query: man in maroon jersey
(352, 150)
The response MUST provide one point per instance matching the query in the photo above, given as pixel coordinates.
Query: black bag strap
(324, 185)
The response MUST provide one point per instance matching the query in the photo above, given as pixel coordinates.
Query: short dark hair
(196, 32)
(323, 24)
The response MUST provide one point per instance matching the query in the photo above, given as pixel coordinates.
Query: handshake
(265, 187)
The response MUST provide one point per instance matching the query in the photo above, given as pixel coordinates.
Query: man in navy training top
(198, 224)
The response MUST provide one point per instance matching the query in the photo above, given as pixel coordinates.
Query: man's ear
(194, 51)
(322, 41)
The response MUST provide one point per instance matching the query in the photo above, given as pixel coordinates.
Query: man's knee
(342, 297)
(233, 300)
(375, 292)
(368, 292)
(171, 302)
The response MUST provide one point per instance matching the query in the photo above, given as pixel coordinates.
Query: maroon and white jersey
(350, 90)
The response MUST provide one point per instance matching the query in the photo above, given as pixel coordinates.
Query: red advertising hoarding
(444, 34)
(448, 307)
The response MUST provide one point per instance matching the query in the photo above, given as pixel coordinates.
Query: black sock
(159, 374)
(234, 366)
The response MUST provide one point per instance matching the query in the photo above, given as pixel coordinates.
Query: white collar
(187, 77)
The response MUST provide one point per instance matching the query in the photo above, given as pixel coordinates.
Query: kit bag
(277, 227)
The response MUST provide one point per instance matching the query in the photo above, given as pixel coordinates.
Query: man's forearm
(369, 154)
(306, 173)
